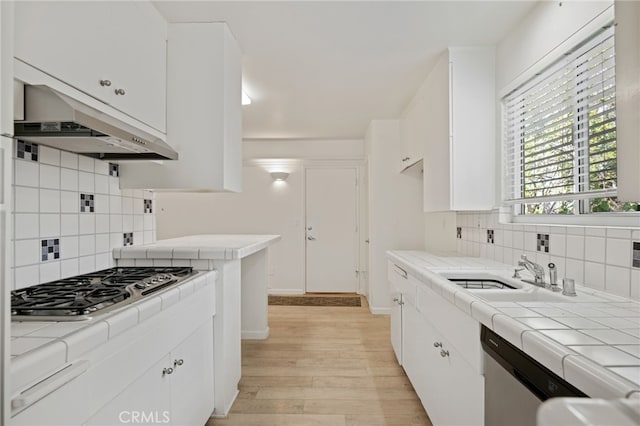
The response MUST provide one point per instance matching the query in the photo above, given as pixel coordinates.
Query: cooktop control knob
(140, 285)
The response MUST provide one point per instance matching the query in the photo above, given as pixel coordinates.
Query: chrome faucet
(535, 269)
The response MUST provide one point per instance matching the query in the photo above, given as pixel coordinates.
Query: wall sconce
(279, 176)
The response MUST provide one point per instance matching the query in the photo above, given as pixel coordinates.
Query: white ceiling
(324, 70)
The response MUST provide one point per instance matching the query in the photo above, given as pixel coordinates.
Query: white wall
(263, 206)
(395, 207)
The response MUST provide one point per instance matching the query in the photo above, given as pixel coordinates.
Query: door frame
(361, 234)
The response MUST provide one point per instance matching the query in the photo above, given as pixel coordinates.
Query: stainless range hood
(56, 120)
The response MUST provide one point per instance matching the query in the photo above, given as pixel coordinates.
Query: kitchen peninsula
(241, 292)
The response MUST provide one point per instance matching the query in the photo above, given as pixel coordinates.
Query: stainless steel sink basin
(482, 281)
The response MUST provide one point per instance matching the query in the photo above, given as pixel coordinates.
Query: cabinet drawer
(402, 282)
(461, 330)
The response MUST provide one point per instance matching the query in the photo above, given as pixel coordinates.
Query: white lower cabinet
(441, 354)
(146, 400)
(176, 390)
(192, 379)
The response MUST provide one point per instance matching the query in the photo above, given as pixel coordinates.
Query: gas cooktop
(82, 296)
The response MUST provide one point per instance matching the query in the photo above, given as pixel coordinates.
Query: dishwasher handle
(52, 383)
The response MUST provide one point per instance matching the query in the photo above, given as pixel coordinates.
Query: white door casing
(331, 230)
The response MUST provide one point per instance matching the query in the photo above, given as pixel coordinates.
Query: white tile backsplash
(68, 179)
(618, 252)
(101, 184)
(69, 224)
(48, 155)
(26, 173)
(49, 201)
(47, 206)
(69, 202)
(86, 182)
(594, 249)
(86, 163)
(49, 176)
(49, 225)
(26, 200)
(599, 257)
(26, 225)
(69, 160)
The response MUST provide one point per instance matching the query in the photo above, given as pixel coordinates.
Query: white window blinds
(560, 128)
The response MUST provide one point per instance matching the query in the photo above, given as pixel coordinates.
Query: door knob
(310, 238)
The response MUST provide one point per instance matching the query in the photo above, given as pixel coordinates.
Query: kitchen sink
(482, 281)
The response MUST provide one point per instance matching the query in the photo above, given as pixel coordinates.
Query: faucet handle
(516, 272)
(523, 257)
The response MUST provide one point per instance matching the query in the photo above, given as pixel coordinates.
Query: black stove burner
(88, 293)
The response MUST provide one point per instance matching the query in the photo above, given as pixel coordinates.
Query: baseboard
(379, 311)
(255, 335)
(224, 413)
(285, 292)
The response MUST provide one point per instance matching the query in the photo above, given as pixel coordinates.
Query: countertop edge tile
(595, 381)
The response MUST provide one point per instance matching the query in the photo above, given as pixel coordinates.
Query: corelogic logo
(144, 417)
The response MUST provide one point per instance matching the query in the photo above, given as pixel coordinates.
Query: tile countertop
(213, 246)
(40, 347)
(592, 340)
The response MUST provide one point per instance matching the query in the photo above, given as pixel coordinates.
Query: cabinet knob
(437, 344)
(104, 83)
(444, 353)
(120, 92)
(167, 371)
(178, 362)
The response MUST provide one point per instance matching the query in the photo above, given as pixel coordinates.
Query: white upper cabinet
(204, 122)
(459, 154)
(413, 131)
(113, 51)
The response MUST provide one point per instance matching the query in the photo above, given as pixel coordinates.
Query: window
(560, 135)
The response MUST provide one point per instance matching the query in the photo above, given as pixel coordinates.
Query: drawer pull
(49, 385)
(437, 344)
(444, 353)
(400, 271)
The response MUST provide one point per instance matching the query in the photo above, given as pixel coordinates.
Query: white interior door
(331, 221)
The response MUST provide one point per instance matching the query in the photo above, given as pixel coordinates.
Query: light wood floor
(323, 366)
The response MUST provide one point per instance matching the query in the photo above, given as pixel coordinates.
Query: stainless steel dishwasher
(515, 384)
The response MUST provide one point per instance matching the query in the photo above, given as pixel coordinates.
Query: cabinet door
(70, 42)
(396, 325)
(473, 142)
(147, 400)
(416, 336)
(454, 384)
(99, 48)
(436, 177)
(192, 381)
(141, 69)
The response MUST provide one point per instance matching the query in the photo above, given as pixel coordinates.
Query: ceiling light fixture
(246, 100)
(279, 176)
